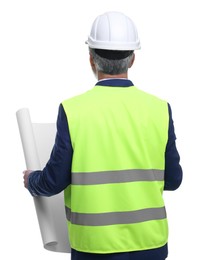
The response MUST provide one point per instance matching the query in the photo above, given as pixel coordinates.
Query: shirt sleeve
(173, 170)
(56, 175)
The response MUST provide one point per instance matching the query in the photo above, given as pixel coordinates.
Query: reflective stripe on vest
(90, 178)
(112, 218)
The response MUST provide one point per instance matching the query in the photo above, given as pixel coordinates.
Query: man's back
(102, 200)
(119, 137)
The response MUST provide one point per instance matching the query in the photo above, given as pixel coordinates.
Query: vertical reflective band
(104, 177)
(112, 218)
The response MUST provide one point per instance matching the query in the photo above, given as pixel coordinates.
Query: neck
(101, 76)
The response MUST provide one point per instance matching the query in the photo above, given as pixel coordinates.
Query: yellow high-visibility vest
(114, 202)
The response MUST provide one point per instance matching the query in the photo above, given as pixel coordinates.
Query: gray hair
(111, 67)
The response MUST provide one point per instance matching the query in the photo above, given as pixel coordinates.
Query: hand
(25, 177)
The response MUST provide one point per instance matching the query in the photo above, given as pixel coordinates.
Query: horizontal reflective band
(113, 218)
(104, 177)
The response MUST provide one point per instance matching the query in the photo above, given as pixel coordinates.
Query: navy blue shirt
(56, 175)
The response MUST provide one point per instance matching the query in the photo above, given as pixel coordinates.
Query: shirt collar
(117, 82)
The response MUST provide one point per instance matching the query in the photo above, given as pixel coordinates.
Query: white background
(43, 60)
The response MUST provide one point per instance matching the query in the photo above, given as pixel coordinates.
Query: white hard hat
(113, 31)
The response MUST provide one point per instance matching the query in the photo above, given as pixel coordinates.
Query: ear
(93, 67)
(92, 62)
(132, 61)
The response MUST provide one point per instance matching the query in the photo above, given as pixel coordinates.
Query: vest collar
(115, 83)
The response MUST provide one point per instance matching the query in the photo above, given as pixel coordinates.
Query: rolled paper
(37, 142)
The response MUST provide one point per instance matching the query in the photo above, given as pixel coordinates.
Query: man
(113, 156)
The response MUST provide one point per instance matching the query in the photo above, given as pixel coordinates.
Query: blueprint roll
(37, 140)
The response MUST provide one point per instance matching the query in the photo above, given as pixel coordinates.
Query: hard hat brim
(113, 45)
